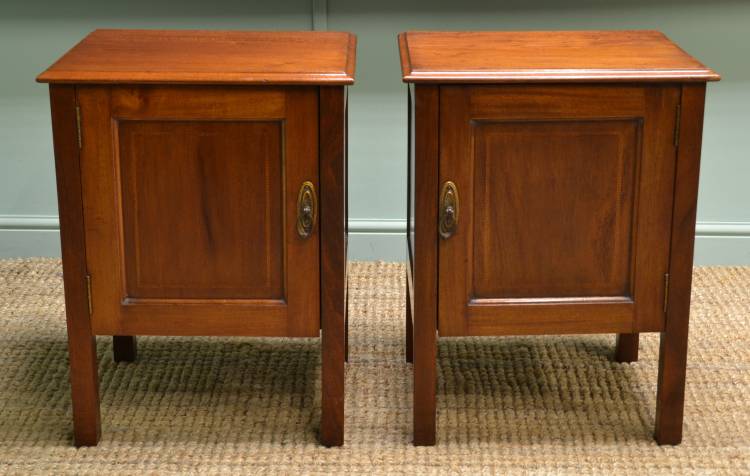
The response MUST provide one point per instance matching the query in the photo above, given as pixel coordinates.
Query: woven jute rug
(555, 405)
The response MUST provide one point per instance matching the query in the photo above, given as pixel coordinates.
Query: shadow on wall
(429, 7)
(169, 11)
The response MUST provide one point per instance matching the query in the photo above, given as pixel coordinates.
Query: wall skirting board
(34, 235)
(717, 243)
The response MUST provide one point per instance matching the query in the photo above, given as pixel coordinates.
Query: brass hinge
(677, 126)
(666, 291)
(88, 293)
(78, 125)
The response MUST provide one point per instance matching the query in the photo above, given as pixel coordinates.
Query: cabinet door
(191, 209)
(563, 209)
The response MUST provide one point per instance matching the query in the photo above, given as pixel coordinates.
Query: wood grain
(84, 379)
(210, 191)
(189, 189)
(575, 56)
(670, 394)
(301, 164)
(201, 102)
(527, 176)
(333, 261)
(577, 201)
(207, 57)
(552, 188)
(539, 317)
(207, 197)
(426, 115)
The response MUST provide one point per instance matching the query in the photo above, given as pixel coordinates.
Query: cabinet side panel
(410, 179)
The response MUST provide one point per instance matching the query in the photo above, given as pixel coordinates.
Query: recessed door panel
(563, 209)
(554, 208)
(190, 200)
(202, 209)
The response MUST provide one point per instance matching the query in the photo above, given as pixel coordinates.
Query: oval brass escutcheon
(307, 209)
(448, 220)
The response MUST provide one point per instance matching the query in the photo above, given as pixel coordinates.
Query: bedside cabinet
(553, 179)
(202, 192)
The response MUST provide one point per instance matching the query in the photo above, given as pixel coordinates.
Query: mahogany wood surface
(409, 337)
(585, 56)
(207, 57)
(207, 244)
(577, 202)
(124, 348)
(179, 203)
(626, 348)
(409, 334)
(195, 195)
(561, 162)
(84, 379)
(565, 197)
(670, 394)
(424, 263)
(333, 303)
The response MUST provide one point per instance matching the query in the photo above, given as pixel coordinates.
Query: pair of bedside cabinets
(202, 191)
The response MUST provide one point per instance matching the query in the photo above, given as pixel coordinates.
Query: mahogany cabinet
(553, 179)
(202, 191)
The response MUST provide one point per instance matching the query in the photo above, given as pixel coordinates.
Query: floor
(550, 405)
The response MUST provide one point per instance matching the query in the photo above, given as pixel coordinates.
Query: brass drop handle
(448, 220)
(307, 209)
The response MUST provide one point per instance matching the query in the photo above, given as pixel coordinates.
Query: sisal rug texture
(546, 405)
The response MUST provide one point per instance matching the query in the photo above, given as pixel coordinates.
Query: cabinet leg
(84, 379)
(332, 398)
(409, 327)
(626, 348)
(670, 393)
(84, 383)
(124, 348)
(424, 271)
(333, 282)
(425, 383)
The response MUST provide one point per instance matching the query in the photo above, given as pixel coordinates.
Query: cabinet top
(207, 57)
(552, 56)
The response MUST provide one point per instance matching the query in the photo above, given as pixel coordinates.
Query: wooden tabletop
(553, 56)
(207, 57)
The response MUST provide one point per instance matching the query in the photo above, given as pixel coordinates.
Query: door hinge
(88, 293)
(666, 291)
(78, 125)
(677, 126)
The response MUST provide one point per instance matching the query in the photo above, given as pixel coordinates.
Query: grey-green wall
(33, 33)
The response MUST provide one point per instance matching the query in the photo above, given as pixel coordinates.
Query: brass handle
(448, 221)
(307, 209)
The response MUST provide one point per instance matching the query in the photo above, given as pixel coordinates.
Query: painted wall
(33, 33)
